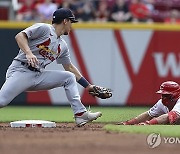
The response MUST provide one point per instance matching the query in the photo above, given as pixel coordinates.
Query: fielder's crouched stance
(41, 44)
(165, 111)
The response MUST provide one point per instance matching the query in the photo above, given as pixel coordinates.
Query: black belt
(30, 67)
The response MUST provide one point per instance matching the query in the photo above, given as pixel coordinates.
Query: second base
(33, 123)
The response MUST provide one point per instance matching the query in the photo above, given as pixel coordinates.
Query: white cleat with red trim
(87, 117)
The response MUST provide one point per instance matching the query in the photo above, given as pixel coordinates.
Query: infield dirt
(66, 138)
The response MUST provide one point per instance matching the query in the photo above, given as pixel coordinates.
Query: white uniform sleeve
(36, 31)
(177, 106)
(64, 58)
(158, 109)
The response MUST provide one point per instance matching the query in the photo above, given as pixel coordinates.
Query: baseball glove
(100, 92)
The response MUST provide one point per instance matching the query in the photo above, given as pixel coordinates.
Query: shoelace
(89, 109)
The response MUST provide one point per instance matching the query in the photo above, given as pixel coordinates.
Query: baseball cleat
(87, 117)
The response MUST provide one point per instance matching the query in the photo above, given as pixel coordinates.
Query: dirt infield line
(66, 138)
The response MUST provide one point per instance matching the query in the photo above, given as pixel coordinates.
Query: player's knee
(70, 79)
(174, 117)
(4, 100)
(71, 76)
(3, 103)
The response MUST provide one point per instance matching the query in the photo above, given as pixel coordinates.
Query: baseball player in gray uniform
(41, 44)
(165, 111)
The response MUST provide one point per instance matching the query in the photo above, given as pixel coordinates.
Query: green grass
(164, 130)
(9, 113)
(65, 114)
(110, 115)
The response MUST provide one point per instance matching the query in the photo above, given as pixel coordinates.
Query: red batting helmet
(171, 88)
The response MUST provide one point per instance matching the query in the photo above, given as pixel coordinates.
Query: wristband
(83, 82)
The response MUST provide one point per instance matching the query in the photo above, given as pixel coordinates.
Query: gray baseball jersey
(47, 47)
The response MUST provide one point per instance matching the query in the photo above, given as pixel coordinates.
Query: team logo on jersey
(46, 52)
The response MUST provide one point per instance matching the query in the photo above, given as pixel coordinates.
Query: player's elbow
(20, 36)
(17, 36)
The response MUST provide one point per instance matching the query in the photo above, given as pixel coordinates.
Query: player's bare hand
(32, 60)
(89, 87)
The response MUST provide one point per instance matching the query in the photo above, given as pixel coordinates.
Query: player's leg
(16, 83)
(52, 79)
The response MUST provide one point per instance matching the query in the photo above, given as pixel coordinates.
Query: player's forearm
(22, 42)
(71, 68)
(79, 78)
(140, 118)
(163, 119)
(143, 117)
